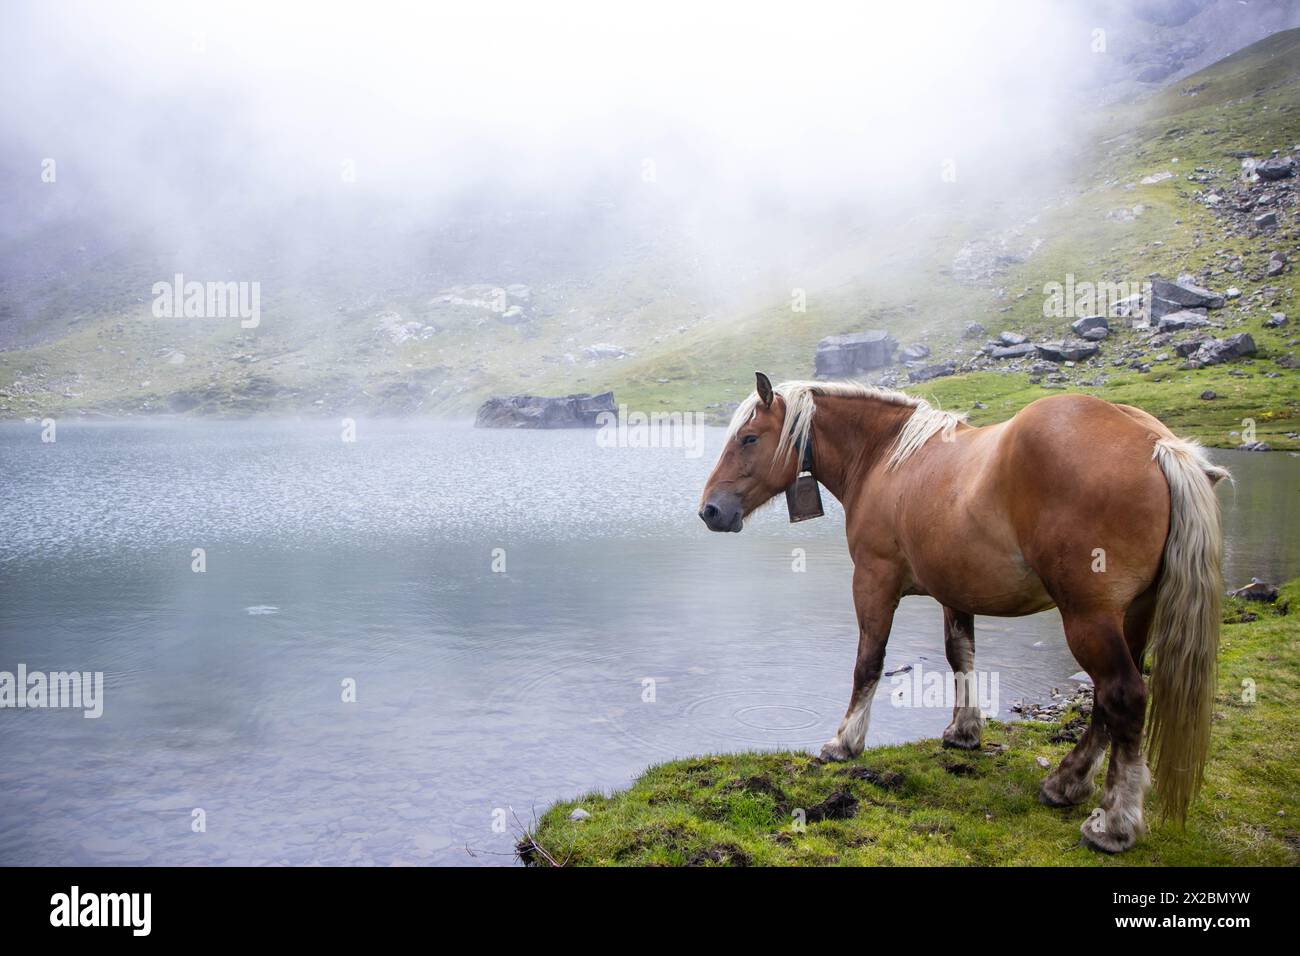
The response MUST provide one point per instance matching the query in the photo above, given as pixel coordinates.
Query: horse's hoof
(835, 751)
(1052, 794)
(959, 739)
(1095, 835)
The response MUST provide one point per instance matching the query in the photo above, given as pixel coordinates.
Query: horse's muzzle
(722, 512)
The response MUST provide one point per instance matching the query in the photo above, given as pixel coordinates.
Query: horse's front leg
(959, 644)
(875, 595)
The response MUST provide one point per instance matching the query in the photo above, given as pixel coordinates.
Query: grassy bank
(1167, 392)
(918, 804)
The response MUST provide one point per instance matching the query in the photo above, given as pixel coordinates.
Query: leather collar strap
(806, 463)
(803, 497)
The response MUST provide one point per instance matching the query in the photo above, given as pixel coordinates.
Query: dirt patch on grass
(884, 779)
(721, 854)
(840, 805)
(701, 773)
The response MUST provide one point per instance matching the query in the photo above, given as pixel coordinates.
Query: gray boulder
(1275, 169)
(843, 356)
(914, 352)
(1184, 319)
(1090, 322)
(1022, 350)
(1096, 335)
(1011, 338)
(1067, 351)
(1217, 351)
(1167, 297)
(537, 411)
(931, 371)
(1189, 348)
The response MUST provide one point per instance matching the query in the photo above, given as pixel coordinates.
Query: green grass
(919, 804)
(1172, 395)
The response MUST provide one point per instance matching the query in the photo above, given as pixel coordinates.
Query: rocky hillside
(1190, 193)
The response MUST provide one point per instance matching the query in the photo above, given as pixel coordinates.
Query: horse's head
(752, 468)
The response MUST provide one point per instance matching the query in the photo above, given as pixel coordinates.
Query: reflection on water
(620, 633)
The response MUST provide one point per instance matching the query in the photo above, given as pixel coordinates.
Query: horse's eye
(749, 439)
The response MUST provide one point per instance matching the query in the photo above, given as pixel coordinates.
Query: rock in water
(843, 356)
(537, 411)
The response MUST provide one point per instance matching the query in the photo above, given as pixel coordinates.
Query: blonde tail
(1185, 627)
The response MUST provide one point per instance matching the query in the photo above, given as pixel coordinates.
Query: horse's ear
(764, 388)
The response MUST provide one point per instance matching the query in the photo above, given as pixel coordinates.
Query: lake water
(480, 694)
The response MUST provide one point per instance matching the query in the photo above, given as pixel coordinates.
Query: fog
(509, 141)
(187, 114)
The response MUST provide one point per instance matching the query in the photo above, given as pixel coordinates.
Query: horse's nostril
(709, 513)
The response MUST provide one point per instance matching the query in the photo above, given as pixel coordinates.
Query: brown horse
(1096, 509)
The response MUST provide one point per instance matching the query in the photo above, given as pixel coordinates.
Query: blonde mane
(925, 422)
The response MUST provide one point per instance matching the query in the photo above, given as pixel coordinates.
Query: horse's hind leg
(1098, 643)
(959, 643)
(1072, 781)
